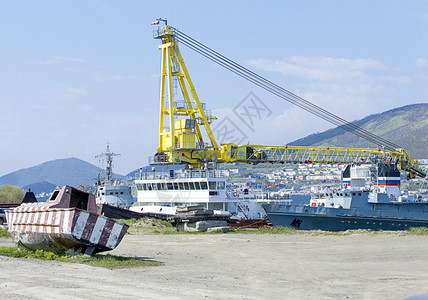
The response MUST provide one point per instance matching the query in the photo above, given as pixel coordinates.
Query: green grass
(4, 233)
(154, 226)
(103, 261)
(149, 226)
(418, 231)
(286, 230)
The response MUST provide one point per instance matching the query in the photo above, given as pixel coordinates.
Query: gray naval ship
(110, 191)
(371, 199)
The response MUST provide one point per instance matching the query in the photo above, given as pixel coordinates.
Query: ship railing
(163, 31)
(180, 174)
(259, 195)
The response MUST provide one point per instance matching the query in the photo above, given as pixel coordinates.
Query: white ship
(110, 191)
(162, 192)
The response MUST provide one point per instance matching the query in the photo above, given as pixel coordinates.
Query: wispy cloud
(344, 86)
(57, 59)
(349, 88)
(61, 91)
(319, 68)
(421, 62)
(397, 79)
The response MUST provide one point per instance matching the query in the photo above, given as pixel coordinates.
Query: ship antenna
(109, 163)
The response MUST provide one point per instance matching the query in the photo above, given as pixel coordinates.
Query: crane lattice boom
(184, 123)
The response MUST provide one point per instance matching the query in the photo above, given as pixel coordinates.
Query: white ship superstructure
(111, 191)
(163, 192)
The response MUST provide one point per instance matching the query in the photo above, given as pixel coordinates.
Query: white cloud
(57, 59)
(397, 79)
(349, 88)
(61, 91)
(421, 62)
(319, 68)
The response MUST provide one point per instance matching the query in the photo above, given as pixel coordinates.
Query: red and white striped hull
(40, 227)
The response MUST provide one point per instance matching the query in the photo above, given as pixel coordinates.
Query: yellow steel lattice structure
(184, 123)
(181, 134)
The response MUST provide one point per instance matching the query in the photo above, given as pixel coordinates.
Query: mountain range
(406, 126)
(46, 176)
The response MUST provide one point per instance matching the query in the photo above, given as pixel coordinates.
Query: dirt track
(241, 266)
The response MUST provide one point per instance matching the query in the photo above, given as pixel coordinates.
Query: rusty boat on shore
(67, 221)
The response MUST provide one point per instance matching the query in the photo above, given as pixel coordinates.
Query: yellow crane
(183, 124)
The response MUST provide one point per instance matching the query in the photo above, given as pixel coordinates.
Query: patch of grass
(287, 230)
(149, 226)
(418, 231)
(155, 226)
(267, 230)
(110, 261)
(103, 261)
(4, 232)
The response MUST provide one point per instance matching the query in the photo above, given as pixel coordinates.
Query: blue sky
(78, 74)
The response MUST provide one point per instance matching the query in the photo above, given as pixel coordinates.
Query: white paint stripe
(25, 218)
(15, 217)
(42, 223)
(32, 218)
(10, 220)
(66, 222)
(98, 230)
(36, 218)
(57, 218)
(18, 217)
(80, 224)
(21, 219)
(114, 236)
(50, 217)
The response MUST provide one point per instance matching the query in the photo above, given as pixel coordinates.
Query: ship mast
(109, 164)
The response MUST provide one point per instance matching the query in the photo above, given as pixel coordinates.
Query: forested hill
(406, 126)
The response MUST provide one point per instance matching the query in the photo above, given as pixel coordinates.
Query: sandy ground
(235, 266)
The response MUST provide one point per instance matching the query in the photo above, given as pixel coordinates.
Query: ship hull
(282, 216)
(63, 229)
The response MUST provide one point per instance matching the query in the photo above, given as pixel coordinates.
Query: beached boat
(68, 221)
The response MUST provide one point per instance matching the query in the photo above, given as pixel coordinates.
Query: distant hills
(71, 171)
(406, 126)
(40, 187)
(149, 170)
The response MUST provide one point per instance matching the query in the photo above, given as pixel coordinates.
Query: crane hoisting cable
(281, 92)
(182, 123)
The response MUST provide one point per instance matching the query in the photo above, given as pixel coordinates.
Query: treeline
(11, 194)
